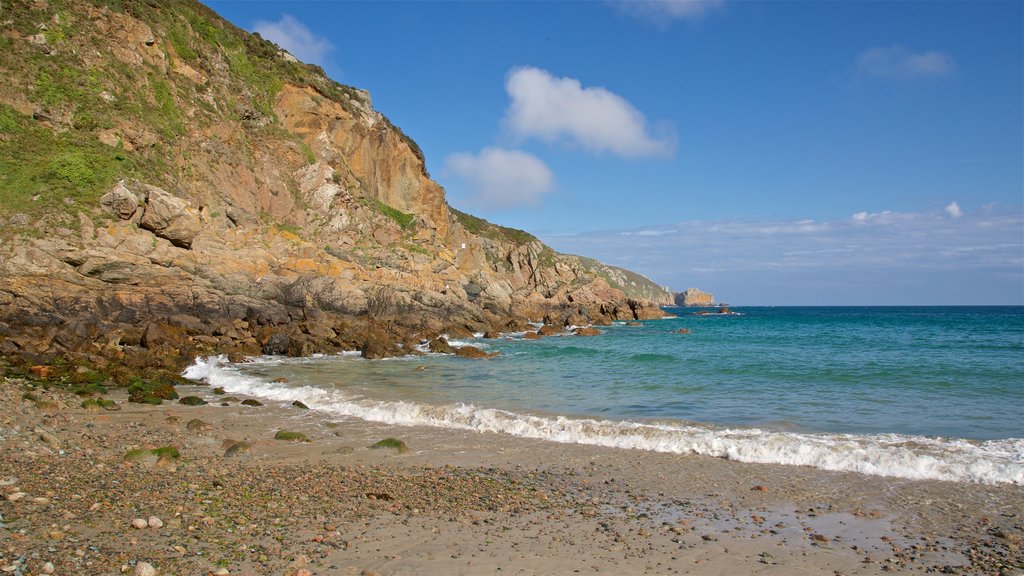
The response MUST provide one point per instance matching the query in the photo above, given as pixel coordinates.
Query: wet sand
(454, 503)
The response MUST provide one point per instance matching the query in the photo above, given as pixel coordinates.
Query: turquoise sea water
(934, 392)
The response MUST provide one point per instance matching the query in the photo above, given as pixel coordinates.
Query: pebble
(155, 522)
(15, 496)
(48, 568)
(144, 569)
(220, 572)
(139, 523)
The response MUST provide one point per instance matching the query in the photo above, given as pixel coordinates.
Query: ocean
(910, 392)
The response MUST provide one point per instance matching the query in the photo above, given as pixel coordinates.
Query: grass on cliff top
(481, 227)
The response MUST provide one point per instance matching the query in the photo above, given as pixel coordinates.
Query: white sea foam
(914, 457)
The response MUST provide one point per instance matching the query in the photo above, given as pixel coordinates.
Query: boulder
(120, 201)
(440, 346)
(474, 352)
(588, 331)
(170, 217)
(549, 330)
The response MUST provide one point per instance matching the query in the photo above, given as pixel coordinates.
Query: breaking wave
(896, 455)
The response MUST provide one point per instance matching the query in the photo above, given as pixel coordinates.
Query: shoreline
(896, 455)
(455, 502)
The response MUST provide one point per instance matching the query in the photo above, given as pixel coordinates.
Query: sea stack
(694, 297)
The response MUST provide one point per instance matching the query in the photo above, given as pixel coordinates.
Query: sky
(772, 153)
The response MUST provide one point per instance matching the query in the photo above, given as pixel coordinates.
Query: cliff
(172, 185)
(694, 297)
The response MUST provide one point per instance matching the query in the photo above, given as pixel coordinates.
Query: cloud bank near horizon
(945, 256)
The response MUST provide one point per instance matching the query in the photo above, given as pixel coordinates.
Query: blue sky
(770, 152)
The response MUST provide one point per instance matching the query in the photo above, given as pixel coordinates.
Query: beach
(453, 502)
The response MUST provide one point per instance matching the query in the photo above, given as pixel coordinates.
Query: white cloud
(871, 257)
(296, 38)
(899, 62)
(954, 210)
(501, 178)
(561, 109)
(664, 12)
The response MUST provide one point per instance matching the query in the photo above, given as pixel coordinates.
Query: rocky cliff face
(171, 185)
(694, 297)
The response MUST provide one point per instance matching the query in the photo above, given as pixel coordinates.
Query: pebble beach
(228, 488)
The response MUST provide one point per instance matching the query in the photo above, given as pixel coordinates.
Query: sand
(453, 503)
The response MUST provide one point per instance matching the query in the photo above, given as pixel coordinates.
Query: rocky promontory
(175, 186)
(694, 297)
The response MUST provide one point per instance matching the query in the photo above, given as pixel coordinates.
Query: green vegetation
(291, 436)
(152, 392)
(53, 164)
(482, 227)
(192, 401)
(391, 443)
(308, 154)
(39, 168)
(167, 119)
(179, 40)
(98, 403)
(404, 221)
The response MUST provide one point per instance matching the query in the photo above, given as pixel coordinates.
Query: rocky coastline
(203, 192)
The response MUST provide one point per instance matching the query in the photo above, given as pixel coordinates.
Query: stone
(41, 372)
(144, 569)
(251, 402)
(588, 331)
(237, 449)
(300, 405)
(48, 568)
(120, 201)
(48, 438)
(170, 217)
(394, 443)
(474, 353)
(155, 522)
(291, 436)
(197, 425)
(440, 346)
(139, 523)
(192, 401)
(549, 330)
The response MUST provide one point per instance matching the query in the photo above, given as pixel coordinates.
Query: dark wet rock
(300, 405)
(393, 443)
(474, 353)
(291, 436)
(549, 330)
(440, 346)
(251, 402)
(192, 401)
